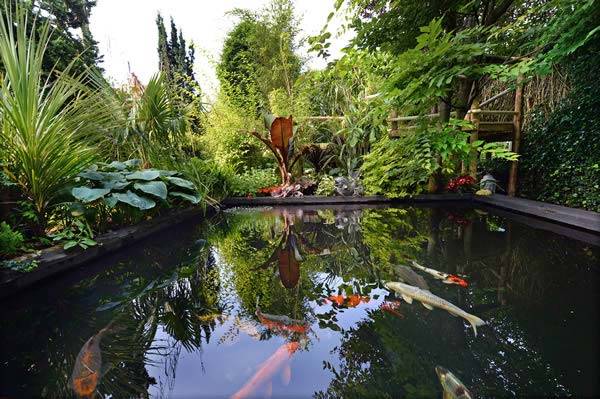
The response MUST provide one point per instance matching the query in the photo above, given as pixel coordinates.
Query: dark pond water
(176, 316)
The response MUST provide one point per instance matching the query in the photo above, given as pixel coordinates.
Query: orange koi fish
(454, 279)
(86, 371)
(337, 299)
(391, 308)
(264, 375)
(352, 301)
(281, 323)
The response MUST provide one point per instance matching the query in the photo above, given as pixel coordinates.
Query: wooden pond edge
(54, 261)
(574, 223)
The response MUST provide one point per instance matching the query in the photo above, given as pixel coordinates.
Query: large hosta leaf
(111, 201)
(92, 175)
(178, 181)
(115, 184)
(156, 188)
(148, 175)
(135, 200)
(86, 194)
(192, 198)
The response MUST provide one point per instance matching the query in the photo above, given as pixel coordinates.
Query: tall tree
(176, 62)
(65, 46)
(259, 54)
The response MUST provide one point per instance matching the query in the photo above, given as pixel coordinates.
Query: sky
(127, 36)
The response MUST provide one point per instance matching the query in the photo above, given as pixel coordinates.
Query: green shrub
(212, 179)
(561, 151)
(326, 186)
(251, 180)
(10, 240)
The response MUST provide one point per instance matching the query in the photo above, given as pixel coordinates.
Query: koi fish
(351, 301)
(88, 363)
(451, 385)
(281, 358)
(429, 300)
(391, 308)
(281, 323)
(454, 279)
(445, 277)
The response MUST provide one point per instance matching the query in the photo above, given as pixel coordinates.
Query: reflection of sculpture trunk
(289, 266)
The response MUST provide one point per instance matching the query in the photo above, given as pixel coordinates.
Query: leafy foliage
(561, 151)
(326, 186)
(10, 240)
(401, 167)
(250, 181)
(77, 234)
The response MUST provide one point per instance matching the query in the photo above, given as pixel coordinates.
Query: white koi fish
(430, 301)
(453, 388)
(445, 277)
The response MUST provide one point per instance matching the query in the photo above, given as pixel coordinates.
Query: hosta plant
(126, 184)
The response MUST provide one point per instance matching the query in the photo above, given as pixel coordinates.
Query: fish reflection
(351, 301)
(88, 364)
(280, 360)
(451, 385)
(430, 301)
(445, 277)
(279, 323)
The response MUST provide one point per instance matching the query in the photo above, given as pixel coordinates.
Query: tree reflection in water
(317, 277)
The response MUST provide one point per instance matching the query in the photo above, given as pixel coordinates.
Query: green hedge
(560, 160)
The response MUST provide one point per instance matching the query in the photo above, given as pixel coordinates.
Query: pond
(292, 302)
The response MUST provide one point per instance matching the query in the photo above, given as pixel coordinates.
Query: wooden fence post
(475, 119)
(517, 122)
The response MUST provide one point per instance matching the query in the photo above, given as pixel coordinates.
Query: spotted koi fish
(445, 277)
(88, 364)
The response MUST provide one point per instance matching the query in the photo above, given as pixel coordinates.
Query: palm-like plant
(48, 129)
(146, 118)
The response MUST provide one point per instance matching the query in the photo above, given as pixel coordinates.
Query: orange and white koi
(281, 323)
(88, 363)
(445, 277)
(391, 307)
(264, 375)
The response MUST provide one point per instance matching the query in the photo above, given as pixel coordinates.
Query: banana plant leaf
(281, 132)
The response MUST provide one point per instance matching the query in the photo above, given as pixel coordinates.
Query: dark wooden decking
(578, 218)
